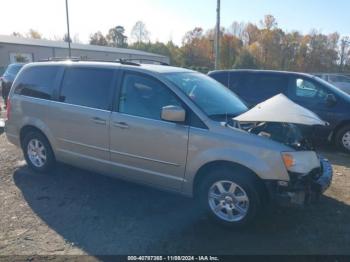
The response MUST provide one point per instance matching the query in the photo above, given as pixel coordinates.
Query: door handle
(99, 120)
(121, 125)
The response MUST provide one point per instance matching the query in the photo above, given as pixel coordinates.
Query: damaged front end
(302, 188)
(282, 120)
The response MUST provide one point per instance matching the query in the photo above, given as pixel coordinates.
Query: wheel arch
(338, 127)
(30, 128)
(204, 171)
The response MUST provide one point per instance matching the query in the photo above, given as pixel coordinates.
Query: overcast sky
(168, 19)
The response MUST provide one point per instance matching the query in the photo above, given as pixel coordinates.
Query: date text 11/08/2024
(173, 258)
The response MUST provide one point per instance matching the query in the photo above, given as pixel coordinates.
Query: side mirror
(331, 100)
(173, 114)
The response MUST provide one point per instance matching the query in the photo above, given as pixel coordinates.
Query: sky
(168, 19)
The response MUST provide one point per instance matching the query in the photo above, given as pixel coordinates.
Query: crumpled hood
(280, 109)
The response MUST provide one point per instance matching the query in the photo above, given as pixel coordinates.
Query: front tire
(37, 152)
(342, 139)
(230, 196)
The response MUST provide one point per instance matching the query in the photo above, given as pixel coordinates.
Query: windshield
(13, 69)
(333, 88)
(214, 99)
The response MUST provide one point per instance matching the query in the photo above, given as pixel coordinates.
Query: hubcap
(346, 140)
(36, 153)
(228, 201)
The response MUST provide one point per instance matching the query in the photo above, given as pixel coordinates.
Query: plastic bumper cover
(302, 189)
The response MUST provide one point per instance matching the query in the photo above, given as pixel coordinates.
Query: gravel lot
(72, 211)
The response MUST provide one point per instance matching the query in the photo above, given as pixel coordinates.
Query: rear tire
(342, 139)
(230, 196)
(37, 152)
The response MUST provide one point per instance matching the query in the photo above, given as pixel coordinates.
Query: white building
(18, 49)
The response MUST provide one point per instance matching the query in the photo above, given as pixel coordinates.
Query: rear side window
(245, 86)
(37, 82)
(221, 77)
(271, 85)
(258, 88)
(235, 81)
(89, 87)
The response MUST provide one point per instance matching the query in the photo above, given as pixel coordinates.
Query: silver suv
(166, 127)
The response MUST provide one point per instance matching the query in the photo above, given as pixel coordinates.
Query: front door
(143, 146)
(312, 95)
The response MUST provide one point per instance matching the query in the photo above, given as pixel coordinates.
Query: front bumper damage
(302, 189)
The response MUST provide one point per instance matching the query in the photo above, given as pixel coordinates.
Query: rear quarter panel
(28, 111)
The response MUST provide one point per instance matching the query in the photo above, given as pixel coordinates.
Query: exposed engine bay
(285, 133)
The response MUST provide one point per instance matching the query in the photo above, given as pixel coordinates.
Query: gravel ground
(72, 211)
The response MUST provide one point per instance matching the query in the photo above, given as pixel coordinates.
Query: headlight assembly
(301, 162)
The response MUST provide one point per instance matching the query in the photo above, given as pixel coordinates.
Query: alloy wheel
(36, 153)
(346, 140)
(228, 201)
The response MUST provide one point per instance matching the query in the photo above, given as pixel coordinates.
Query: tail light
(8, 108)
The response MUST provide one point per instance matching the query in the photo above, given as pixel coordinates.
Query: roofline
(112, 64)
(6, 39)
(262, 71)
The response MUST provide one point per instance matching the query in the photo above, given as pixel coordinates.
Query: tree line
(243, 46)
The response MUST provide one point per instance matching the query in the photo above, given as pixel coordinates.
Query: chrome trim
(116, 152)
(78, 106)
(122, 165)
(144, 158)
(84, 145)
(115, 114)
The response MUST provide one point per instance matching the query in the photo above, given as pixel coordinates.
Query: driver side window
(304, 89)
(144, 96)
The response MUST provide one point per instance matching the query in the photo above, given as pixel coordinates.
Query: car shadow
(105, 216)
(335, 156)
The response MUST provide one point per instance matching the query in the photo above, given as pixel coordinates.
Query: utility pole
(217, 38)
(68, 33)
(345, 43)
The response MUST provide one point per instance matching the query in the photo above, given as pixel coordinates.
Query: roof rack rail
(126, 62)
(146, 59)
(60, 59)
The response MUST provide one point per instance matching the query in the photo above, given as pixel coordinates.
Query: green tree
(245, 60)
(176, 57)
(230, 48)
(21, 59)
(344, 53)
(116, 37)
(197, 48)
(98, 39)
(34, 34)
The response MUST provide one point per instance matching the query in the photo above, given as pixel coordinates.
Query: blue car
(328, 102)
(8, 77)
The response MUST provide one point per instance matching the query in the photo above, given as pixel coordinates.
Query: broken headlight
(301, 162)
